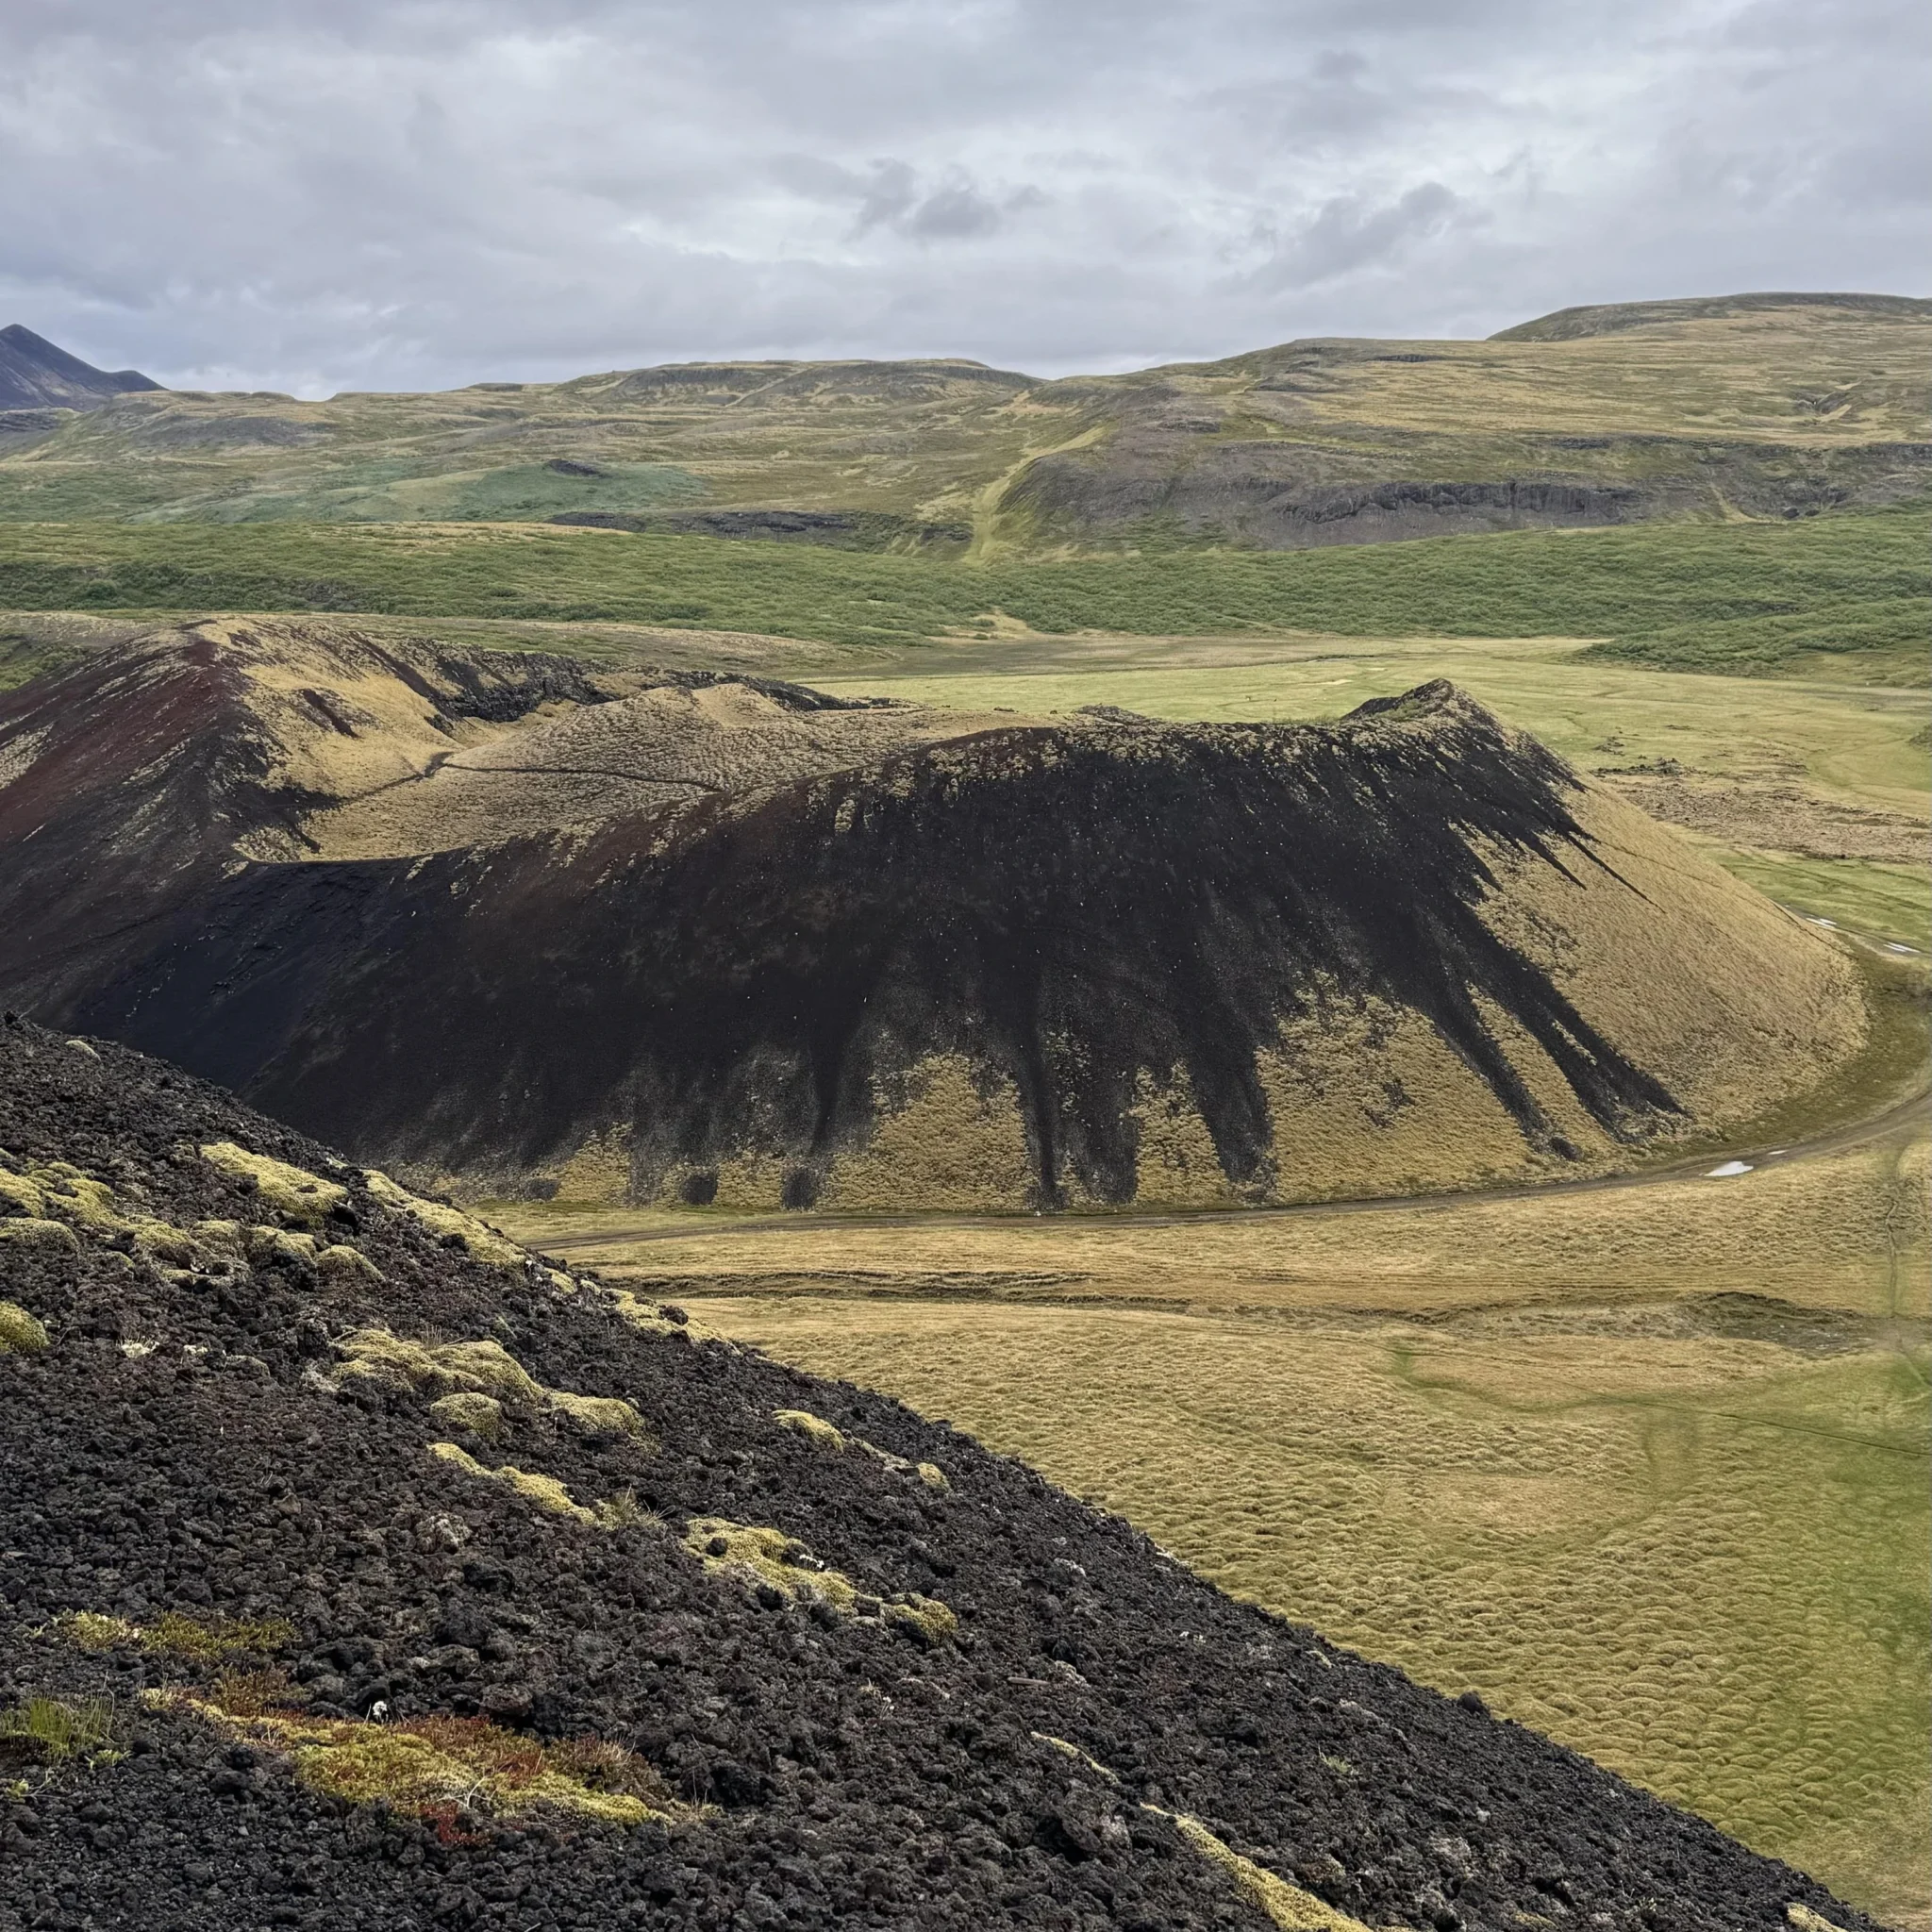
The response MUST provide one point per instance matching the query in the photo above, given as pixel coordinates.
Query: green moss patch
(440, 1768)
(21, 1333)
(481, 1369)
(290, 1191)
(196, 1639)
(778, 1568)
(833, 1441)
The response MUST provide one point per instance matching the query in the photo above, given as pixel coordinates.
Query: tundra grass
(1627, 587)
(1648, 1466)
(1892, 902)
(1702, 1559)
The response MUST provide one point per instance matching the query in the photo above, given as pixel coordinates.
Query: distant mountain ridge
(35, 373)
(1608, 318)
(1760, 406)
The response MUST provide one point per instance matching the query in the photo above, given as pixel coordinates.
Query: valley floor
(1646, 1464)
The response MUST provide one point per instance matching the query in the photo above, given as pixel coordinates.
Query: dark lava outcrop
(361, 1570)
(744, 945)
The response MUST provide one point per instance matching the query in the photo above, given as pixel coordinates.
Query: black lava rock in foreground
(267, 1658)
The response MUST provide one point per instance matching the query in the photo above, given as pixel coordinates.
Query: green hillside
(1757, 598)
(1764, 405)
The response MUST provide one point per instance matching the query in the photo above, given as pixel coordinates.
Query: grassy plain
(1805, 590)
(1647, 1465)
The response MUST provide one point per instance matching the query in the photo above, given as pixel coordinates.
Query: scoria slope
(713, 942)
(362, 1568)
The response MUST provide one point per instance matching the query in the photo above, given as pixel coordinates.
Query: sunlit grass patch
(1693, 1544)
(205, 1639)
(440, 1767)
(45, 1730)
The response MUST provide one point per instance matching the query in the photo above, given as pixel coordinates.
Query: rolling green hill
(1762, 406)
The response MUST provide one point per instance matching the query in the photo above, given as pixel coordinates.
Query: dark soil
(860, 1778)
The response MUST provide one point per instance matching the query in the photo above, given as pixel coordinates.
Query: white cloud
(316, 195)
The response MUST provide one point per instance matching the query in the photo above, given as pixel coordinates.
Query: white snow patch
(1727, 1170)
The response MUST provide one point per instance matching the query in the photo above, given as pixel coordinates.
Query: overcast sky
(324, 194)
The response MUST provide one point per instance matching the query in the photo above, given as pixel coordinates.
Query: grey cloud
(330, 193)
(1346, 234)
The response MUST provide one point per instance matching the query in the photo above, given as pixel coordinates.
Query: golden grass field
(1648, 1466)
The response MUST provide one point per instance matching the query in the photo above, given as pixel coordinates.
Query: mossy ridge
(20, 1332)
(448, 1224)
(438, 1767)
(1287, 1907)
(546, 1492)
(779, 1568)
(835, 1442)
(52, 1204)
(484, 1368)
(290, 1191)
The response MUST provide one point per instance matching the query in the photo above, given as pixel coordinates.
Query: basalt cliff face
(362, 1568)
(503, 921)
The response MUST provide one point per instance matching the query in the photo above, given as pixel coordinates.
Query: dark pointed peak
(36, 373)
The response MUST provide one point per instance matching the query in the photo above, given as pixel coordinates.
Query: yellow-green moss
(545, 1492)
(485, 1368)
(207, 1639)
(753, 1554)
(68, 1194)
(91, 1630)
(596, 1415)
(483, 1242)
(814, 1428)
(46, 1204)
(1074, 1752)
(342, 1262)
(1288, 1905)
(835, 1442)
(20, 1195)
(30, 1231)
(290, 1191)
(928, 1618)
(648, 1318)
(1804, 1920)
(757, 1556)
(469, 1408)
(20, 1332)
(436, 1767)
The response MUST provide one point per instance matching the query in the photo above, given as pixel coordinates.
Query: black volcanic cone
(1072, 908)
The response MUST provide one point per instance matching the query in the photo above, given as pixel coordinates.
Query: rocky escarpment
(362, 1568)
(729, 944)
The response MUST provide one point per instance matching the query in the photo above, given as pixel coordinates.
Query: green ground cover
(1740, 596)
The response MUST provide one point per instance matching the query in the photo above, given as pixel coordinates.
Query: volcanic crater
(524, 927)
